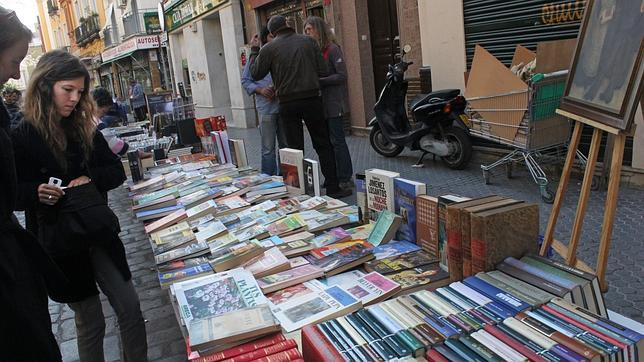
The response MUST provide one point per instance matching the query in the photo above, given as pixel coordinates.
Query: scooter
(441, 126)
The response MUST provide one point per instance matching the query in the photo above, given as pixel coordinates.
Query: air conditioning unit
(122, 3)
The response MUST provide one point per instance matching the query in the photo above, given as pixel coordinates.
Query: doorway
(385, 39)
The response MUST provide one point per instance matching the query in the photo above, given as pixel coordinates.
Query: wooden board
(555, 55)
(501, 89)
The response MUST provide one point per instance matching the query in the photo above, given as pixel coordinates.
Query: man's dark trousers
(311, 111)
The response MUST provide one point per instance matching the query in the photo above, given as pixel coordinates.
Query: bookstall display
(263, 268)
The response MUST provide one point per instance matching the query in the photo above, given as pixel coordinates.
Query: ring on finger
(49, 197)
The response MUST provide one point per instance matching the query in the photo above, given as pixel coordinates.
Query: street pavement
(625, 265)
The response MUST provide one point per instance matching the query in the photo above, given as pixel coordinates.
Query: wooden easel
(569, 252)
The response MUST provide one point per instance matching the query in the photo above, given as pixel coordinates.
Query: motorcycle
(441, 126)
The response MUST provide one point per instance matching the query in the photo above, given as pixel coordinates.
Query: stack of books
(287, 258)
(491, 316)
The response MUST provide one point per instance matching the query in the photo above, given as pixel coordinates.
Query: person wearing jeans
(296, 64)
(334, 92)
(268, 109)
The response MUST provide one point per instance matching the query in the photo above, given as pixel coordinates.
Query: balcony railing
(52, 7)
(134, 22)
(87, 31)
(109, 37)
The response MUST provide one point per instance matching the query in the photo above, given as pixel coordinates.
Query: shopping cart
(541, 136)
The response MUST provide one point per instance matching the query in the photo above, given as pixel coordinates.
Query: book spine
(388, 323)
(316, 347)
(480, 349)
(507, 299)
(478, 247)
(433, 319)
(392, 340)
(466, 247)
(246, 348)
(433, 356)
(350, 343)
(339, 346)
(284, 356)
(266, 351)
(371, 337)
(442, 235)
(464, 352)
(514, 344)
(454, 247)
(532, 279)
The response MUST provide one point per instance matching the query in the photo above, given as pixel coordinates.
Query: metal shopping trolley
(541, 135)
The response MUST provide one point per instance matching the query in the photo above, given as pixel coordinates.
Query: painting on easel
(605, 82)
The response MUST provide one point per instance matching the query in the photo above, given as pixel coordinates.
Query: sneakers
(339, 193)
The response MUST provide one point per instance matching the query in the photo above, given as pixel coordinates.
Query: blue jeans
(270, 131)
(342, 157)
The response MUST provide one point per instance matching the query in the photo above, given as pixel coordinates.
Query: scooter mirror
(406, 48)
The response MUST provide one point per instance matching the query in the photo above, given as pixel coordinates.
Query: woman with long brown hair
(58, 139)
(25, 270)
(334, 93)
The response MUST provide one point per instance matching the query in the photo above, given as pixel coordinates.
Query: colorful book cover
(313, 203)
(372, 287)
(332, 236)
(195, 248)
(400, 262)
(217, 294)
(341, 279)
(286, 225)
(167, 278)
(394, 248)
(291, 161)
(422, 275)
(311, 308)
(286, 294)
(361, 232)
(295, 273)
(405, 193)
(361, 196)
(385, 228)
(443, 202)
(342, 258)
(333, 248)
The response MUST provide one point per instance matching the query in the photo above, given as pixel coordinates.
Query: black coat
(35, 165)
(25, 273)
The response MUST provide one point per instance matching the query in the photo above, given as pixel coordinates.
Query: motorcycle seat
(444, 94)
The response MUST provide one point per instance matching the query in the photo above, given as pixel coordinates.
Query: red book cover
(433, 356)
(513, 343)
(315, 346)
(245, 348)
(263, 352)
(454, 247)
(284, 356)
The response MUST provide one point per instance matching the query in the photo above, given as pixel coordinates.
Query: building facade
(132, 48)
(206, 40)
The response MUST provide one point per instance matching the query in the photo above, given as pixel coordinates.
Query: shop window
(294, 11)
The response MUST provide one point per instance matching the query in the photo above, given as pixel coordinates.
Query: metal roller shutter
(500, 25)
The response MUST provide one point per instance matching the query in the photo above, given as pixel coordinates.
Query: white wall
(243, 112)
(204, 51)
(442, 36)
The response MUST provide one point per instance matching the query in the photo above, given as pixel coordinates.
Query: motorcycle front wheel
(382, 145)
(462, 154)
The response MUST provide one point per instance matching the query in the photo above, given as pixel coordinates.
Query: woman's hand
(49, 194)
(79, 181)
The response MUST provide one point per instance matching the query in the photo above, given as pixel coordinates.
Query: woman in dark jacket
(334, 93)
(25, 270)
(58, 138)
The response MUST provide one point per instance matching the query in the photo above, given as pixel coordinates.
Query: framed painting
(605, 79)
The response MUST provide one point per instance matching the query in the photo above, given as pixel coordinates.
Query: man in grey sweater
(296, 64)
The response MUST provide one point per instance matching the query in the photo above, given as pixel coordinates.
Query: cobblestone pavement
(625, 268)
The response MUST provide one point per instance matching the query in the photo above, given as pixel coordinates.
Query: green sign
(187, 10)
(152, 24)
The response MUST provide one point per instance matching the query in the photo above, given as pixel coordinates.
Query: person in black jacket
(25, 270)
(296, 64)
(58, 138)
(334, 93)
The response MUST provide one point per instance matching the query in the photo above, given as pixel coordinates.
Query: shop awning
(119, 57)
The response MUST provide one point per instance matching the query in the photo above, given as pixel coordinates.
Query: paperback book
(380, 191)
(288, 278)
(291, 164)
(405, 194)
(311, 177)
